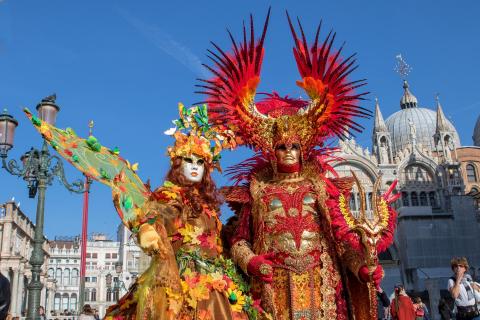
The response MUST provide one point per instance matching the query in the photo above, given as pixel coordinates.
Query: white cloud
(165, 42)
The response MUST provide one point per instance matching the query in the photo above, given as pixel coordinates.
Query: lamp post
(119, 285)
(38, 169)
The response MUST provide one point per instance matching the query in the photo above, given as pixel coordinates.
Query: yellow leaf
(186, 232)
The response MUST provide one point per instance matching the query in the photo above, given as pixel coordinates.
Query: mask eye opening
(187, 160)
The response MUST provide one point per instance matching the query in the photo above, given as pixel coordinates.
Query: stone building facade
(16, 245)
(111, 267)
(437, 176)
(469, 159)
(129, 258)
(64, 269)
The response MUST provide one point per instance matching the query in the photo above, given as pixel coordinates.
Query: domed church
(476, 133)
(439, 215)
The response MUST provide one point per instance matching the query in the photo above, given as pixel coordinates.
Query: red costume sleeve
(243, 228)
(238, 199)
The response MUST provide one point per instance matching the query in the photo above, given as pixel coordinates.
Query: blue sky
(126, 64)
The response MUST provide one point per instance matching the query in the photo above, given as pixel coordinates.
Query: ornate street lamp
(119, 284)
(38, 169)
(118, 268)
(7, 131)
(108, 280)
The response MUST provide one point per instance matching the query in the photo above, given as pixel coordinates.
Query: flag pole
(84, 239)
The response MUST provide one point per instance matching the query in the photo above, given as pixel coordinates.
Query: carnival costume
(176, 224)
(308, 256)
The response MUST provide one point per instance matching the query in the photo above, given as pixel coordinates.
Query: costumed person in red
(308, 256)
(402, 307)
(177, 224)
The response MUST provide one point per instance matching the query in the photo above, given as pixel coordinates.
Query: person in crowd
(87, 313)
(421, 310)
(4, 296)
(41, 313)
(383, 304)
(402, 307)
(464, 290)
(444, 310)
(96, 316)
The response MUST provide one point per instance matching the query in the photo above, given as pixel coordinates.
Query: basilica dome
(420, 121)
(476, 133)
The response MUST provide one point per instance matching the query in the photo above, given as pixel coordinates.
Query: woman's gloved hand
(260, 266)
(149, 239)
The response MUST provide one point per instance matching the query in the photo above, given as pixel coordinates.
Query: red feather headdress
(329, 112)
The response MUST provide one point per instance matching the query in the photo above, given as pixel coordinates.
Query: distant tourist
(401, 307)
(383, 304)
(465, 292)
(96, 316)
(444, 310)
(87, 313)
(421, 311)
(41, 312)
(5, 296)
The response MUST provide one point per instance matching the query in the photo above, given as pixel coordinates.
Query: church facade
(439, 180)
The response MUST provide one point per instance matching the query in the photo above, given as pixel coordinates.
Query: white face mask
(193, 168)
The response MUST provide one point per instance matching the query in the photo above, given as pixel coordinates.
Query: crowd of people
(464, 292)
(400, 306)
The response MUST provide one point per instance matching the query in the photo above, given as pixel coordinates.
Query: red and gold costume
(295, 217)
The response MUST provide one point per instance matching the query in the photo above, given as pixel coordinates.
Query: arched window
(471, 173)
(66, 277)
(476, 197)
(56, 301)
(369, 201)
(116, 294)
(51, 273)
(58, 276)
(87, 294)
(423, 199)
(414, 198)
(94, 295)
(353, 205)
(65, 301)
(109, 294)
(74, 277)
(432, 199)
(405, 202)
(73, 302)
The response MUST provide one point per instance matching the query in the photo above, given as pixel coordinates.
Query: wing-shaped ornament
(101, 164)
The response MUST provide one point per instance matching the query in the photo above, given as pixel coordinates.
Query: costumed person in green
(177, 224)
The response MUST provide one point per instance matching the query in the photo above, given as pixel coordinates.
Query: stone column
(7, 233)
(432, 286)
(14, 302)
(43, 293)
(51, 295)
(20, 295)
